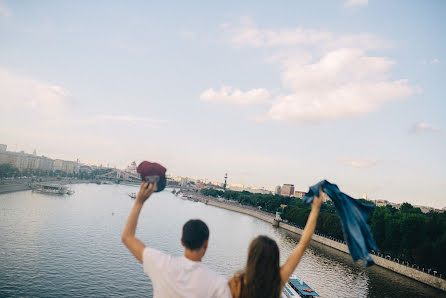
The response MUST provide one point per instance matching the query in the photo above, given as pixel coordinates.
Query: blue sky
(351, 91)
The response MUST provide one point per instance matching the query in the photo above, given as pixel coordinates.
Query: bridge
(119, 176)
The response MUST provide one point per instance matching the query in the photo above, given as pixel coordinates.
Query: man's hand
(135, 246)
(145, 190)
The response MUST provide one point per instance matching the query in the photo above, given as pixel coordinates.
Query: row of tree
(6, 170)
(406, 233)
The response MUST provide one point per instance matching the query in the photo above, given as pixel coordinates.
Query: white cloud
(358, 163)
(230, 95)
(17, 91)
(435, 61)
(343, 83)
(4, 10)
(249, 34)
(324, 76)
(432, 61)
(351, 3)
(423, 127)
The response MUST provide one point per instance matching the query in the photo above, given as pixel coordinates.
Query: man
(171, 276)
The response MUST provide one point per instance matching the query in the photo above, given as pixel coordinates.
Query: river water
(54, 246)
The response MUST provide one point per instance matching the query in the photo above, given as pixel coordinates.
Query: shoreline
(16, 186)
(395, 267)
(9, 188)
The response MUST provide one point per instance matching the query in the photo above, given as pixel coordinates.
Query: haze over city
(271, 94)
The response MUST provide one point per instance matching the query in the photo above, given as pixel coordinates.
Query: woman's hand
(145, 191)
(317, 200)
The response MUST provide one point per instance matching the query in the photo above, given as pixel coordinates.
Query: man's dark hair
(195, 233)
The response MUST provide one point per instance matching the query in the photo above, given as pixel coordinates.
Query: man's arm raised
(134, 245)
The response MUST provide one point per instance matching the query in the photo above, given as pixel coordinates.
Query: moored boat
(296, 287)
(53, 189)
(132, 195)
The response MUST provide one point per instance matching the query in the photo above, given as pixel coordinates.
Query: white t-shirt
(181, 277)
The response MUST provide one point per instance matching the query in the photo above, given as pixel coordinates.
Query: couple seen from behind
(186, 276)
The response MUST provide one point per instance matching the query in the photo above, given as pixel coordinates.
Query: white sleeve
(153, 261)
(222, 289)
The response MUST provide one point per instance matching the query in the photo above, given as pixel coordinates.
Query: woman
(263, 276)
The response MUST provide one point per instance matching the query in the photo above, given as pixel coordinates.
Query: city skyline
(278, 189)
(271, 94)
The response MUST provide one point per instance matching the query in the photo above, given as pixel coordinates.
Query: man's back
(181, 277)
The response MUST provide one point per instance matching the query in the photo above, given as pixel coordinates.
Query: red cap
(147, 168)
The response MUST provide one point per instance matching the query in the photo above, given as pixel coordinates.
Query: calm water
(71, 246)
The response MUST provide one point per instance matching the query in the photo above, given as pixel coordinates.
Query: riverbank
(401, 269)
(25, 184)
(7, 188)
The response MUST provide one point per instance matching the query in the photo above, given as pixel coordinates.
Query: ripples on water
(71, 246)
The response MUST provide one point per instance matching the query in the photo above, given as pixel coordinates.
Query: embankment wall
(5, 188)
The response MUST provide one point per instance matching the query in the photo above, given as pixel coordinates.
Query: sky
(352, 91)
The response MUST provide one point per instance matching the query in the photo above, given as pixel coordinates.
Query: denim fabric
(353, 214)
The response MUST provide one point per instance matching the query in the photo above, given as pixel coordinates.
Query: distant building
(131, 168)
(298, 194)
(287, 190)
(184, 182)
(3, 147)
(385, 203)
(7, 158)
(66, 166)
(171, 182)
(23, 161)
(381, 203)
(19, 160)
(236, 187)
(85, 169)
(45, 163)
(427, 209)
(199, 185)
(262, 191)
(278, 190)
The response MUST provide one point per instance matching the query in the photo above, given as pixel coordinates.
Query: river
(71, 246)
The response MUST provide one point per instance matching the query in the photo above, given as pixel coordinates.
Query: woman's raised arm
(293, 260)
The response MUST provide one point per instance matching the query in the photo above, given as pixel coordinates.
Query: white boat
(296, 287)
(53, 189)
(182, 196)
(132, 195)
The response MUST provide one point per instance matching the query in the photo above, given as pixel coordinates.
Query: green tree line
(406, 233)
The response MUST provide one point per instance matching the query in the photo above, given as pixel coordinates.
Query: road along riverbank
(412, 273)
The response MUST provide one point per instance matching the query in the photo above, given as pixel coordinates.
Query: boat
(53, 189)
(132, 195)
(296, 287)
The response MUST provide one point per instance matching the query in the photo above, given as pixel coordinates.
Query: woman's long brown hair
(262, 272)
